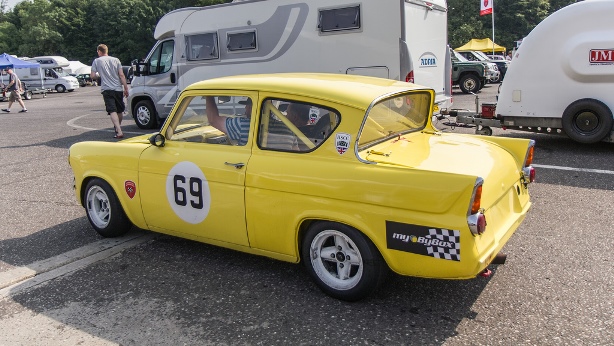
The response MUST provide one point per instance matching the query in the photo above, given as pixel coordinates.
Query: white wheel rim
(336, 260)
(98, 207)
(143, 115)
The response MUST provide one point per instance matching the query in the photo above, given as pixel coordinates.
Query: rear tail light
(476, 220)
(477, 199)
(529, 157)
(410, 77)
(528, 170)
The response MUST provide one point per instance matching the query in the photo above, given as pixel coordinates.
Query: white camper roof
(172, 21)
(59, 61)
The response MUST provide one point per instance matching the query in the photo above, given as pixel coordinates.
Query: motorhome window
(241, 41)
(161, 59)
(347, 18)
(202, 46)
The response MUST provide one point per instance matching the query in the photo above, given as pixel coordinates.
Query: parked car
(470, 76)
(502, 63)
(352, 180)
(85, 79)
(493, 75)
(128, 73)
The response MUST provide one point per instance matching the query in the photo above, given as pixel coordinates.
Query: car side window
(295, 126)
(212, 119)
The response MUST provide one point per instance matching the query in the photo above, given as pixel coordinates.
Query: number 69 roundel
(188, 193)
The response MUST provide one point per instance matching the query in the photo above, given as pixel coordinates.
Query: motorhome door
(161, 81)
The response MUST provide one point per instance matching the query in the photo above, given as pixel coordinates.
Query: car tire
(469, 83)
(60, 88)
(103, 209)
(331, 250)
(145, 114)
(587, 121)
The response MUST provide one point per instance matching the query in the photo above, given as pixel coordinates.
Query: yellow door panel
(190, 188)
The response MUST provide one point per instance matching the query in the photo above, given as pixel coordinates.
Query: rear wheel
(342, 261)
(145, 114)
(587, 121)
(104, 211)
(469, 83)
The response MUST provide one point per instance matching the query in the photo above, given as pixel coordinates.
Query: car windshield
(482, 55)
(459, 57)
(395, 116)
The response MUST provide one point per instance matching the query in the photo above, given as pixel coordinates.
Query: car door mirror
(157, 139)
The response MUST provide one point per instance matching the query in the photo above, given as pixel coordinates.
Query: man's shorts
(14, 96)
(114, 101)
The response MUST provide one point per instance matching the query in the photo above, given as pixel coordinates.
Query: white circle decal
(188, 193)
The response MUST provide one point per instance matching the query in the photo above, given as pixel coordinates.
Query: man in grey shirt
(111, 81)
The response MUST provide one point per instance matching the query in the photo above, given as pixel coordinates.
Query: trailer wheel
(587, 121)
(469, 84)
(145, 114)
(27, 95)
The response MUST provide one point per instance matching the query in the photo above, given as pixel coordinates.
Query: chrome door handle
(236, 165)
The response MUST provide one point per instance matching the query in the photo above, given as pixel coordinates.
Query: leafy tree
(514, 19)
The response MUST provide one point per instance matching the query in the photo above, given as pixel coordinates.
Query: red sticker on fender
(130, 188)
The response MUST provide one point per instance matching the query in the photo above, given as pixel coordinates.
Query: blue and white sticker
(188, 192)
(342, 142)
(428, 59)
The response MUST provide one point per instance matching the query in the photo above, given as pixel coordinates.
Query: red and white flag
(485, 7)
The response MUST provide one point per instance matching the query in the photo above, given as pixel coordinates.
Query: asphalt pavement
(62, 284)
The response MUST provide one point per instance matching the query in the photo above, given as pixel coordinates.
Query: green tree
(514, 19)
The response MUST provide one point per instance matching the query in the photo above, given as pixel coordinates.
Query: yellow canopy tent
(484, 45)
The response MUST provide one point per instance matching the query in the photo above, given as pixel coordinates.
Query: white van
(51, 74)
(561, 78)
(401, 40)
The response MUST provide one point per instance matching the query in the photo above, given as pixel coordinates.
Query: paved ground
(146, 288)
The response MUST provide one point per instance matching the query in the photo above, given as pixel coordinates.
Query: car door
(195, 183)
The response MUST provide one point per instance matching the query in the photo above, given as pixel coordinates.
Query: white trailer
(401, 40)
(561, 78)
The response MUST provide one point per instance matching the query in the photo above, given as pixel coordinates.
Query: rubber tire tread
(605, 119)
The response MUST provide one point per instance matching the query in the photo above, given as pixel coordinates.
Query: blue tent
(7, 61)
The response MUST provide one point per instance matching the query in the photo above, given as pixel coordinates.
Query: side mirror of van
(141, 69)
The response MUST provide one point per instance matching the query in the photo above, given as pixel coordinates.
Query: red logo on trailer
(598, 56)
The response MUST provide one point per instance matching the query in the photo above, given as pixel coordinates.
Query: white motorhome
(51, 74)
(402, 40)
(561, 78)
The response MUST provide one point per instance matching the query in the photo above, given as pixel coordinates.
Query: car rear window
(395, 116)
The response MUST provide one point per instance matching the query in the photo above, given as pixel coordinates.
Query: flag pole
(493, 27)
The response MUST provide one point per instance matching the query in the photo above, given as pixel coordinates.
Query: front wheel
(469, 83)
(60, 88)
(104, 211)
(587, 121)
(145, 114)
(342, 261)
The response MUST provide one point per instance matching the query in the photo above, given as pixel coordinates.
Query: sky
(12, 3)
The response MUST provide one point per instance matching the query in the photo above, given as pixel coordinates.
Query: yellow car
(344, 173)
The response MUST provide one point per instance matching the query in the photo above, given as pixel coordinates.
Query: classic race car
(344, 173)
